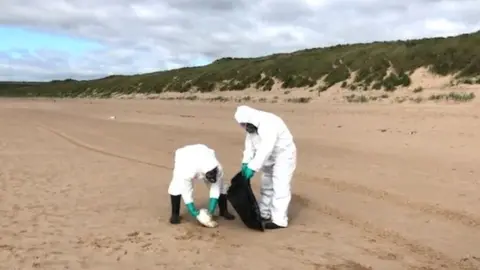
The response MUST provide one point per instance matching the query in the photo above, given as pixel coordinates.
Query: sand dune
(380, 186)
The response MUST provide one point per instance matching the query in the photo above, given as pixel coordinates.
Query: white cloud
(146, 35)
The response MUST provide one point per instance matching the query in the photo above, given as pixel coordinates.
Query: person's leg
(266, 193)
(175, 201)
(282, 177)
(222, 203)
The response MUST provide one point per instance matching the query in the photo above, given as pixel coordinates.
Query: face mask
(251, 128)
(211, 175)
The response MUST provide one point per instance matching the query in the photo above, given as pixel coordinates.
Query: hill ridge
(380, 65)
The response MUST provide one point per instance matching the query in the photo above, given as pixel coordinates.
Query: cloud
(136, 36)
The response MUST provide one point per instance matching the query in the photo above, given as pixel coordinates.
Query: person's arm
(215, 191)
(268, 137)
(248, 152)
(187, 192)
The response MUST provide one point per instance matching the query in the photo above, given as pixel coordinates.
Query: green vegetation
(378, 65)
(357, 99)
(299, 100)
(457, 97)
(452, 96)
(17, 88)
(418, 89)
(241, 99)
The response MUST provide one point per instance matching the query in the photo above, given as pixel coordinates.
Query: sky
(86, 39)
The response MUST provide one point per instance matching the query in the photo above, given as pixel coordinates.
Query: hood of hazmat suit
(196, 157)
(208, 161)
(246, 114)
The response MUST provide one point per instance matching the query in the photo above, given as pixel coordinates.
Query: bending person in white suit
(269, 147)
(197, 162)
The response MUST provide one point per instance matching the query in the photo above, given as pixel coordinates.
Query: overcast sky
(81, 39)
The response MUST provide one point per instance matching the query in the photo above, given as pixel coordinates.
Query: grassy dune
(384, 66)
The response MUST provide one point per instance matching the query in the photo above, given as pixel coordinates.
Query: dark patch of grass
(418, 89)
(299, 100)
(357, 99)
(453, 96)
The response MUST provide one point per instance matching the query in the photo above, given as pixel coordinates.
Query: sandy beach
(377, 186)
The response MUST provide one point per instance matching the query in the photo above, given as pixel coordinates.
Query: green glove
(192, 209)
(244, 166)
(212, 205)
(249, 173)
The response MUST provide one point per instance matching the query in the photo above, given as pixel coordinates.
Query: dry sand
(381, 186)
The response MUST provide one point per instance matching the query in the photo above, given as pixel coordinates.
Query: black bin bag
(242, 199)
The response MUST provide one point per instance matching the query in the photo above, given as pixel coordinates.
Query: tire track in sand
(436, 259)
(426, 208)
(91, 148)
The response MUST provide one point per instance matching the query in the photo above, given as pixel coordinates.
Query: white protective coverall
(191, 164)
(274, 152)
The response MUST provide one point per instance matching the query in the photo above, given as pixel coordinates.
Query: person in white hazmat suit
(197, 162)
(269, 147)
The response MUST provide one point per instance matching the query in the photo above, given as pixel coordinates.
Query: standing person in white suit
(269, 147)
(197, 162)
